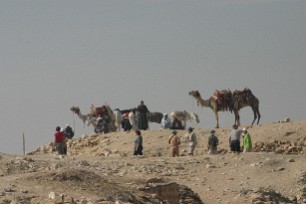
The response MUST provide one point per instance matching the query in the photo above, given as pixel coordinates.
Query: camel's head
(75, 109)
(195, 93)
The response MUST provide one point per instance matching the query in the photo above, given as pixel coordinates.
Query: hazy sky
(62, 53)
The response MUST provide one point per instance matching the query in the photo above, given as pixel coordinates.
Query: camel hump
(244, 97)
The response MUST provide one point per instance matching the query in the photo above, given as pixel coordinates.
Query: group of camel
(234, 103)
(116, 117)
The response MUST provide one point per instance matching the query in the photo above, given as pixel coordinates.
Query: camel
(232, 102)
(183, 116)
(155, 117)
(95, 111)
(91, 117)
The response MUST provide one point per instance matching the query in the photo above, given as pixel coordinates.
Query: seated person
(177, 125)
(165, 122)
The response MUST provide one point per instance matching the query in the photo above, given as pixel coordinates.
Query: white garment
(165, 123)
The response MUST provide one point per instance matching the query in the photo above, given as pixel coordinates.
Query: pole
(23, 143)
(73, 123)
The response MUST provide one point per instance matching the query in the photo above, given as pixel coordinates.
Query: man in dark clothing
(177, 125)
(213, 142)
(68, 132)
(126, 125)
(142, 116)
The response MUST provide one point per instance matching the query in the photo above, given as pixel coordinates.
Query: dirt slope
(101, 169)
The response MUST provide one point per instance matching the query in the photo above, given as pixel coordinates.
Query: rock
(154, 180)
(280, 169)
(291, 160)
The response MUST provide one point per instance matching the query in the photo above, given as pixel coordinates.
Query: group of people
(141, 112)
(235, 137)
(173, 140)
(234, 141)
(141, 116)
(61, 136)
(212, 143)
(166, 123)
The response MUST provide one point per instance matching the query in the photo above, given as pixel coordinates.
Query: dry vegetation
(101, 169)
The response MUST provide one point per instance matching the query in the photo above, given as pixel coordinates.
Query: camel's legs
(237, 118)
(217, 119)
(258, 115)
(255, 115)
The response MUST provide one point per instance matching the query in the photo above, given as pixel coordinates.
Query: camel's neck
(81, 116)
(203, 102)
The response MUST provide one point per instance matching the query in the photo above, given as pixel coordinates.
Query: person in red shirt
(59, 141)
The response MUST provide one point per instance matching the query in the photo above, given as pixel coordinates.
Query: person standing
(142, 116)
(174, 141)
(192, 141)
(125, 123)
(59, 141)
(65, 141)
(234, 139)
(213, 142)
(247, 142)
(138, 143)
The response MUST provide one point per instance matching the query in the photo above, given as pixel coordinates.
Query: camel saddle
(223, 99)
(102, 110)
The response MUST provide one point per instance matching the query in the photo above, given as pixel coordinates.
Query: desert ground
(100, 168)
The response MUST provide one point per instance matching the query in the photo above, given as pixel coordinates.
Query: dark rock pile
(266, 195)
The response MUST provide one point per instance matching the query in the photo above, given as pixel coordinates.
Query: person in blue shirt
(138, 143)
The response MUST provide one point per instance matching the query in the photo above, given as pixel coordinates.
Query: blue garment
(138, 145)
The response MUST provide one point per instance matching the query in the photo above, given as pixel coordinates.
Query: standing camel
(228, 101)
(155, 117)
(95, 111)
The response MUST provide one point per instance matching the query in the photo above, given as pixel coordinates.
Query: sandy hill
(101, 169)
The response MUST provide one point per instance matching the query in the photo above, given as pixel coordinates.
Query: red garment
(59, 137)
